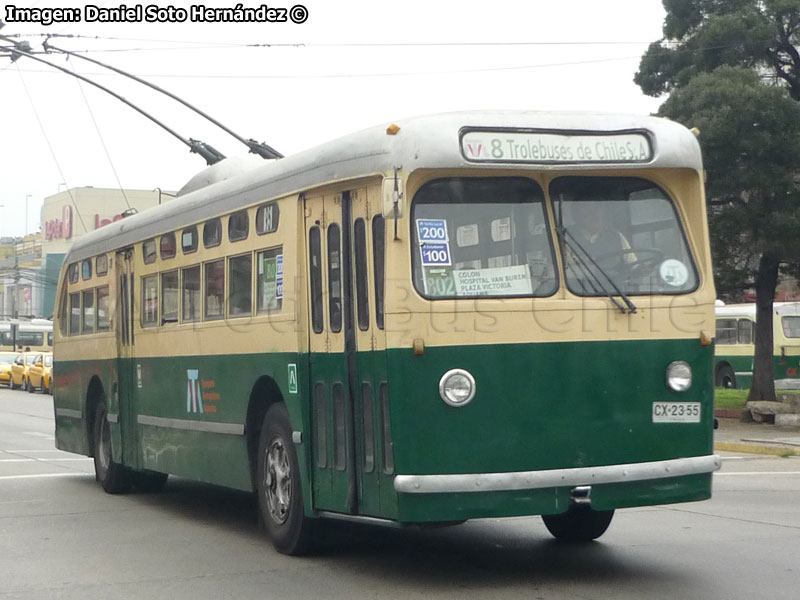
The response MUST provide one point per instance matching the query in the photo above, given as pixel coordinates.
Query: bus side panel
(191, 413)
(72, 378)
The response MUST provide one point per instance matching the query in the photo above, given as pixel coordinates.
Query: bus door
(123, 389)
(343, 389)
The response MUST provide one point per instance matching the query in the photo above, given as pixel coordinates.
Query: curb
(728, 413)
(755, 449)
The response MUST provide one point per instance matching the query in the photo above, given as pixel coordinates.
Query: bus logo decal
(292, 378)
(194, 397)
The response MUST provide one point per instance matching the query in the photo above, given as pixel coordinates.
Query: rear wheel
(578, 524)
(29, 387)
(114, 477)
(280, 494)
(725, 377)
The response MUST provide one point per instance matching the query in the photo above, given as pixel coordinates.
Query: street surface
(61, 536)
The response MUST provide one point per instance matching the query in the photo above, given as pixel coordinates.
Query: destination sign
(546, 147)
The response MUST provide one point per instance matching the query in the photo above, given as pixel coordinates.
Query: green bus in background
(469, 315)
(735, 346)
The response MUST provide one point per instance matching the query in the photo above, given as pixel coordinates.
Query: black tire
(725, 377)
(149, 482)
(278, 487)
(29, 387)
(578, 524)
(11, 384)
(24, 385)
(114, 477)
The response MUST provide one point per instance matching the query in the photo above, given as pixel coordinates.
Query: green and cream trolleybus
(467, 315)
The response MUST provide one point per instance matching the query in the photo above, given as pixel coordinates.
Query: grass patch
(729, 398)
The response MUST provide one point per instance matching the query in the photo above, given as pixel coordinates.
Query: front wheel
(29, 387)
(280, 494)
(578, 524)
(114, 477)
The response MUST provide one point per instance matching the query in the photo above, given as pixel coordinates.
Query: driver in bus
(598, 237)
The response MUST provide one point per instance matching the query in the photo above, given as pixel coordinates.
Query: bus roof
(421, 142)
(749, 310)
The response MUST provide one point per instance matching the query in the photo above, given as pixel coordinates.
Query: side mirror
(38, 364)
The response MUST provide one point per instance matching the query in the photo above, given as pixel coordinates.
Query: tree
(731, 68)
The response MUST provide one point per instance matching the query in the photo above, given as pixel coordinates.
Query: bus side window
(315, 267)
(745, 331)
(334, 277)
(212, 233)
(362, 288)
(149, 251)
(150, 301)
(238, 226)
(170, 292)
(87, 312)
(191, 300)
(269, 280)
(215, 290)
(102, 309)
(240, 292)
(75, 313)
(379, 261)
(726, 331)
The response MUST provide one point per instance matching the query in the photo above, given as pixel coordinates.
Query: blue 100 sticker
(435, 254)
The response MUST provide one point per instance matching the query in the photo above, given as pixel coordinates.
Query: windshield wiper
(567, 240)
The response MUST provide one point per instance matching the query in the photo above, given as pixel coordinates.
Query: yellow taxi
(6, 360)
(40, 374)
(19, 370)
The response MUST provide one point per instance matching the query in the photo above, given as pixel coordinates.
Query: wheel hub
(278, 481)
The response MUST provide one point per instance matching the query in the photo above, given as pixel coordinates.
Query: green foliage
(750, 136)
(729, 398)
(703, 35)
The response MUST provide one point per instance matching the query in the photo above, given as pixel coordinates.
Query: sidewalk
(734, 435)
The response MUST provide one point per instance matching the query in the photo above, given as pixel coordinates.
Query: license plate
(676, 412)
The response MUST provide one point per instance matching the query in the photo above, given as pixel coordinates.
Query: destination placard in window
(547, 147)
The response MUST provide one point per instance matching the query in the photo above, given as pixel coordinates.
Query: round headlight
(457, 387)
(679, 376)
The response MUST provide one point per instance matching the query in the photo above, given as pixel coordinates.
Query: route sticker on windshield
(434, 244)
(673, 272)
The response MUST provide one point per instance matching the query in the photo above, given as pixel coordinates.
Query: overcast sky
(352, 64)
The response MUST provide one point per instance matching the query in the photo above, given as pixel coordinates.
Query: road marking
(44, 476)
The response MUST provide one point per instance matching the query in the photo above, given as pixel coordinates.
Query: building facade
(29, 267)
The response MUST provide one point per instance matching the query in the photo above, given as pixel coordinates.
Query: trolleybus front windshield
(476, 237)
(621, 234)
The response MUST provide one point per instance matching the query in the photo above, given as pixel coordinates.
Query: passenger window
(86, 269)
(149, 251)
(102, 309)
(101, 265)
(189, 240)
(87, 317)
(362, 293)
(334, 277)
(267, 218)
(150, 301)
(190, 307)
(726, 331)
(240, 269)
(269, 280)
(238, 224)
(74, 313)
(73, 273)
(315, 266)
(212, 233)
(378, 251)
(745, 331)
(170, 293)
(167, 246)
(215, 290)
